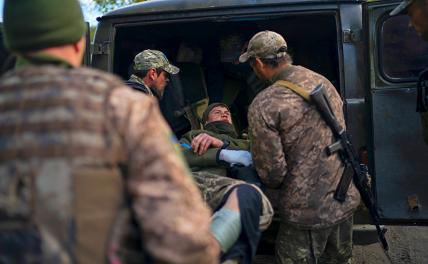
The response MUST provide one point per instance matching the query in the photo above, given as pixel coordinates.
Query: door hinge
(352, 35)
(101, 48)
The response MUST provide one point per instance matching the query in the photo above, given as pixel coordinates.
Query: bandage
(226, 227)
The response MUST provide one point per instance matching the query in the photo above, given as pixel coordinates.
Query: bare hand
(202, 142)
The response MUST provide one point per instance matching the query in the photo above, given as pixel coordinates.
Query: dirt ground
(408, 244)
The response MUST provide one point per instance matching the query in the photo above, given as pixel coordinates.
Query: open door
(7, 60)
(399, 155)
(87, 56)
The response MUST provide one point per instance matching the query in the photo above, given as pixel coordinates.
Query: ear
(258, 63)
(152, 74)
(79, 45)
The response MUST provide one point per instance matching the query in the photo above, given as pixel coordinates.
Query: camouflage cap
(401, 8)
(153, 59)
(265, 44)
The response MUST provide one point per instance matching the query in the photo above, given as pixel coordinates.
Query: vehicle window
(403, 53)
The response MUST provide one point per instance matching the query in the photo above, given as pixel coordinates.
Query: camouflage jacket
(138, 84)
(289, 138)
(65, 135)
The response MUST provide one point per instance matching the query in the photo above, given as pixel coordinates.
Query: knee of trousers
(248, 196)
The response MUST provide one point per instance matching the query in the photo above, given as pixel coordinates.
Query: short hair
(143, 73)
(275, 62)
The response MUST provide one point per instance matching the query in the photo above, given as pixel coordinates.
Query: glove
(232, 157)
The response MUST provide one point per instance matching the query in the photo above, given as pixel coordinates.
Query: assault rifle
(353, 169)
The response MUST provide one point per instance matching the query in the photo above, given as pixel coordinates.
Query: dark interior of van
(207, 53)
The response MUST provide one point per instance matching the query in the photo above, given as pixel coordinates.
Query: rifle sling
(345, 180)
(295, 88)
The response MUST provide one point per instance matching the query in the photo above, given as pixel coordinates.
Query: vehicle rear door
(396, 55)
(6, 59)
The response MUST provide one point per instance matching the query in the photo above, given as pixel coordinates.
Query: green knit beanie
(31, 25)
(208, 110)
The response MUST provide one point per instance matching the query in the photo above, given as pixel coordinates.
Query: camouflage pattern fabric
(265, 44)
(153, 59)
(142, 86)
(215, 187)
(211, 178)
(289, 138)
(65, 134)
(331, 245)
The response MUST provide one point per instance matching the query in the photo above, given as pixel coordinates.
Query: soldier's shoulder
(53, 73)
(97, 76)
(124, 95)
(310, 74)
(271, 93)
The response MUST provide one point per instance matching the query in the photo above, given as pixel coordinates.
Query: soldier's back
(57, 159)
(307, 190)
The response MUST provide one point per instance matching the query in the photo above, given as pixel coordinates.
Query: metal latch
(101, 48)
(352, 35)
(413, 202)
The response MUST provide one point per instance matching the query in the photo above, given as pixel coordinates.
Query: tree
(107, 5)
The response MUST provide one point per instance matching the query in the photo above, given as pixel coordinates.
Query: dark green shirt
(208, 161)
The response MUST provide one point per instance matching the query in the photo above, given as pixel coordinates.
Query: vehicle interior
(207, 53)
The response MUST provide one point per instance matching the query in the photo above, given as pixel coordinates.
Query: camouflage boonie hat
(401, 8)
(265, 44)
(153, 59)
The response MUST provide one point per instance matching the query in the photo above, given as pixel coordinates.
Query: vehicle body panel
(399, 155)
(382, 121)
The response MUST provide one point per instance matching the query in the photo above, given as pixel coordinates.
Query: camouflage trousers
(330, 245)
(215, 187)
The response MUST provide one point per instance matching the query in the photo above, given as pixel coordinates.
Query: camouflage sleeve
(174, 220)
(266, 146)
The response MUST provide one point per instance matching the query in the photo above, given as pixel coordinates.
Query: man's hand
(203, 141)
(240, 157)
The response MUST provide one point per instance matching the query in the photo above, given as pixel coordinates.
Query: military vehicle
(372, 59)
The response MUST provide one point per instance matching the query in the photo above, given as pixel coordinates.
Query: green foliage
(92, 32)
(107, 5)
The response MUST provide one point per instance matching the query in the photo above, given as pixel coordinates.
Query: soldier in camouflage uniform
(84, 158)
(209, 153)
(289, 138)
(418, 12)
(151, 70)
